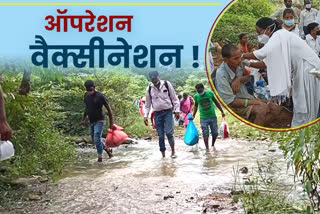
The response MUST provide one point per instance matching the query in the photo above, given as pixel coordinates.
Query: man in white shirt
(162, 97)
(307, 16)
(313, 39)
(285, 54)
(211, 61)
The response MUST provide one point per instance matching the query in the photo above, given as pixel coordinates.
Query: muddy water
(138, 180)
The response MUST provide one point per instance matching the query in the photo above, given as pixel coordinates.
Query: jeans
(212, 123)
(250, 85)
(305, 30)
(96, 133)
(164, 123)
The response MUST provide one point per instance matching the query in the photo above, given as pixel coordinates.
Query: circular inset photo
(263, 62)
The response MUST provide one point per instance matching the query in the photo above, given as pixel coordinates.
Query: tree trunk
(25, 83)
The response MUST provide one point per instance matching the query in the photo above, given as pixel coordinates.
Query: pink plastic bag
(115, 137)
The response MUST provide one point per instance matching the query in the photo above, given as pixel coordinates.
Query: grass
(262, 192)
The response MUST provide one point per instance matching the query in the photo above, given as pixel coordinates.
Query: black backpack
(166, 85)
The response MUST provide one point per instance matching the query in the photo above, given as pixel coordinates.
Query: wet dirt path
(138, 180)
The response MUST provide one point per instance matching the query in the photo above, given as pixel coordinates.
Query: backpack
(167, 87)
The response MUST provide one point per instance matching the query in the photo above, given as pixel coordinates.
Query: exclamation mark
(195, 56)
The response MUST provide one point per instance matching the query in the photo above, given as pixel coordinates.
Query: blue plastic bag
(192, 135)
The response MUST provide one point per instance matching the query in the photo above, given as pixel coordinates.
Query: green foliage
(39, 146)
(192, 81)
(232, 25)
(241, 18)
(252, 8)
(302, 149)
(123, 89)
(136, 127)
(45, 78)
(72, 107)
(177, 77)
(45, 121)
(263, 193)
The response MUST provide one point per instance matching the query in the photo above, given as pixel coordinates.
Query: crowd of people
(160, 104)
(289, 48)
(161, 99)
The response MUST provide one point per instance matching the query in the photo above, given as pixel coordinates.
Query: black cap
(153, 74)
(89, 84)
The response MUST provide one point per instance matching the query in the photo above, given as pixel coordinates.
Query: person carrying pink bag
(186, 105)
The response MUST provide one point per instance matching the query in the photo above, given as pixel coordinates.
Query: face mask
(157, 83)
(263, 38)
(308, 6)
(289, 23)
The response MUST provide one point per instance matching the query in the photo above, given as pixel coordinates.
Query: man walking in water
(207, 102)
(94, 101)
(161, 95)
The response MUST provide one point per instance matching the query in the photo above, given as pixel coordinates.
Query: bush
(39, 146)
(302, 150)
(44, 120)
(263, 192)
(177, 77)
(192, 81)
(121, 87)
(242, 18)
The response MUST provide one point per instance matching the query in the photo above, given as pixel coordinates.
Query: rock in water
(244, 170)
(167, 197)
(34, 197)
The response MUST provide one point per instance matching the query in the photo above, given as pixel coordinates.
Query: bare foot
(173, 154)
(163, 154)
(109, 152)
